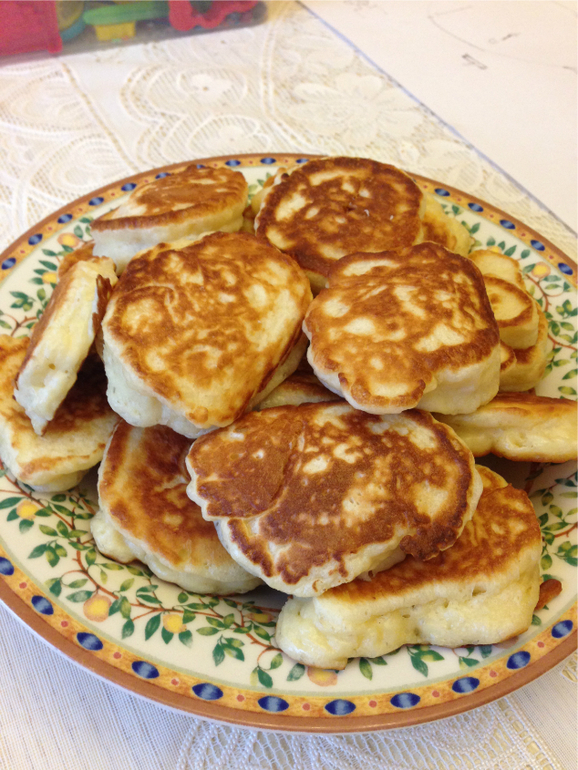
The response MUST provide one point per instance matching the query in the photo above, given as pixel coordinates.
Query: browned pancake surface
(200, 325)
(502, 528)
(300, 487)
(142, 486)
(171, 199)
(336, 206)
(389, 322)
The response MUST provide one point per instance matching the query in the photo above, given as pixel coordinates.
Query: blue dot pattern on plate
(128, 187)
(34, 239)
(42, 605)
(268, 161)
(201, 165)
(273, 704)
(301, 160)
(442, 192)
(562, 628)
(475, 207)
(465, 684)
(519, 659)
(6, 567)
(89, 641)
(233, 163)
(207, 691)
(162, 175)
(8, 263)
(538, 245)
(507, 224)
(95, 201)
(64, 219)
(144, 669)
(564, 268)
(405, 700)
(340, 707)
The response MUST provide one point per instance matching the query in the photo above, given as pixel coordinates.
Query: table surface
(502, 125)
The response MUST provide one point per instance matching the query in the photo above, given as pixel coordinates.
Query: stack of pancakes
(252, 433)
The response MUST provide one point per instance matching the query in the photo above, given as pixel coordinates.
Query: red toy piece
(183, 16)
(29, 25)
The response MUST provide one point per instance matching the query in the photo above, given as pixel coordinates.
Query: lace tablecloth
(71, 124)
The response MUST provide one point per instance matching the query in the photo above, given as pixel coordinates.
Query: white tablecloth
(73, 123)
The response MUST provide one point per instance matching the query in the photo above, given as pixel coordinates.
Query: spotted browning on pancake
(313, 495)
(157, 518)
(173, 198)
(335, 206)
(202, 328)
(482, 590)
(406, 328)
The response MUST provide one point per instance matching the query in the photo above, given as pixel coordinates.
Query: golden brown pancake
(142, 495)
(520, 426)
(197, 333)
(186, 204)
(493, 262)
(331, 207)
(82, 253)
(62, 338)
(523, 368)
(299, 388)
(311, 496)
(515, 311)
(406, 328)
(482, 590)
(441, 228)
(74, 439)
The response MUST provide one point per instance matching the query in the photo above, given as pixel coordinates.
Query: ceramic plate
(216, 657)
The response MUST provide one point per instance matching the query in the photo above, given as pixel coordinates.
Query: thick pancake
(441, 228)
(482, 590)
(520, 426)
(331, 207)
(61, 339)
(142, 484)
(523, 369)
(196, 333)
(83, 253)
(299, 388)
(311, 496)
(495, 263)
(515, 311)
(185, 205)
(74, 439)
(406, 328)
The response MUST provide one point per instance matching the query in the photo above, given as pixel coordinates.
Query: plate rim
(246, 718)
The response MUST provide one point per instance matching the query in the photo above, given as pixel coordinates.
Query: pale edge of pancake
(454, 621)
(519, 433)
(129, 397)
(122, 245)
(117, 545)
(51, 371)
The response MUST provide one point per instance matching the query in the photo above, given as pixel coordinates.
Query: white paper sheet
(501, 73)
